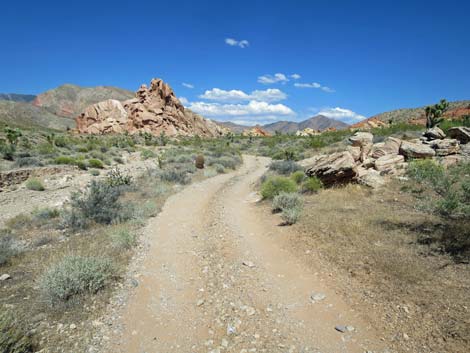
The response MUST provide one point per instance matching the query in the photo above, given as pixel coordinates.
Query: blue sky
(246, 61)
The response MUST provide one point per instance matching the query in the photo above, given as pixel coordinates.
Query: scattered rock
(248, 264)
(462, 134)
(316, 297)
(434, 133)
(336, 168)
(200, 302)
(370, 178)
(388, 162)
(4, 277)
(360, 139)
(445, 147)
(416, 150)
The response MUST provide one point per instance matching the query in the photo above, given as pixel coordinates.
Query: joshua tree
(434, 113)
(12, 135)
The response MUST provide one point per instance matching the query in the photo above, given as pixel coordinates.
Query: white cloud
(342, 114)
(237, 43)
(188, 85)
(268, 79)
(269, 95)
(314, 85)
(254, 110)
(295, 76)
(183, 100)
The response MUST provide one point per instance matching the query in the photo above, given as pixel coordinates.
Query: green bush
(22, 162)
(75, 275)
(275, 185)
(7, 249)
(298, 177)
(116, 177)
(94, 172)
(123, 238)
(95, 163)
(99, 203)
(35, 184)
(219, 168)
(291, 215)
(426, 171)
(285, 167)
(175, 176)
(311, 185)
(65, 160)
(285, 201)
(82, 165)
(13, 335)
(147, 154)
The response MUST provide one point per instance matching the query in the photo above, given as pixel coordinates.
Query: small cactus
(200, 161)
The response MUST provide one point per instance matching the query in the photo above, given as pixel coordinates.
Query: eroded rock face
(256, 131)
(416, 150)
(388, 162)
(155, 109)
(445, 147)
(336, 168)
(360, 139)
(460, 133)
(434, 133)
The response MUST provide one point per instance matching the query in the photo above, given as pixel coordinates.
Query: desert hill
(14, 97)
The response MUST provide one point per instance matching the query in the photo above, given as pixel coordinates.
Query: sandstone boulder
(104, 117)
(360, 139)
(355, 152)
(434, 133)
(388, 162)
(390, 146)
(369, 177)
(416, 150)
(337, 168)
(445, 147)
(460, 133)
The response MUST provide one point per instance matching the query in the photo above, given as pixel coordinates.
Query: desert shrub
(123, 238)
(13, 335)
(99, 203)
(286, 200)
(75, 275)
(65, 160)
(428, 172)
(273, 186)
(7, 248)
(219, 168)
(298, 176)
(147, 154)
(230, 162)
(118, 160)
(210, 172)
(116, 177)
(184, 158)
(27, 162)
(94, 172)
(82, 165)
(95, 163)
(19, 221)
(284, 167)
(175, 176)
(8, 152)
(291, 215)
(35, 184)
(45, 214)
(311, 185)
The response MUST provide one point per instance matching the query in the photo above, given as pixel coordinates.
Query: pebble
(316, 297)
(249, 264)
(4, 277)
(73, 326)
(200, 302)
(342, 328)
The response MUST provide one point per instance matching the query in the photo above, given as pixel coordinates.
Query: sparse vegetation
(286, 200)
(175, 176)
(311, 185)
(275, 185)
(122, 237)
(7, 248)
(35, 184)
(285, 167)
(75, 275)
(95, 163)
(13, 335)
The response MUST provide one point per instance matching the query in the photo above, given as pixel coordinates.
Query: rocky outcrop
(373, 164)
(256, 131)
(155, 110)
(307, 132)
(369, 124)
(336, 168)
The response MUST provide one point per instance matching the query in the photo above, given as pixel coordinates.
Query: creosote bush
(75, 275)
(285, 167)
(13, 335)
(286, 200)
(298, 176)
(273, 186)
(175, 176)
(99, 203)
(35, 184)
(311, 185)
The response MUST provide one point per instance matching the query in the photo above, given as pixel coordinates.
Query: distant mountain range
(13, 97)
(318, 122)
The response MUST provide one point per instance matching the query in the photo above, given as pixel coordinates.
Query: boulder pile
(371, 164)
(155, 110)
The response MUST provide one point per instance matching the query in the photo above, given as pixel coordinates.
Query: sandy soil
(217, 278)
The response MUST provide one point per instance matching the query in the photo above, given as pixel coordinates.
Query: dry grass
(376, 243)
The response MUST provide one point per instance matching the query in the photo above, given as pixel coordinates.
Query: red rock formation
(256, 131)
(155, 110)
(368, 124)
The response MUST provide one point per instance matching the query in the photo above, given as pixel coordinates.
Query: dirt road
(217, 279)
